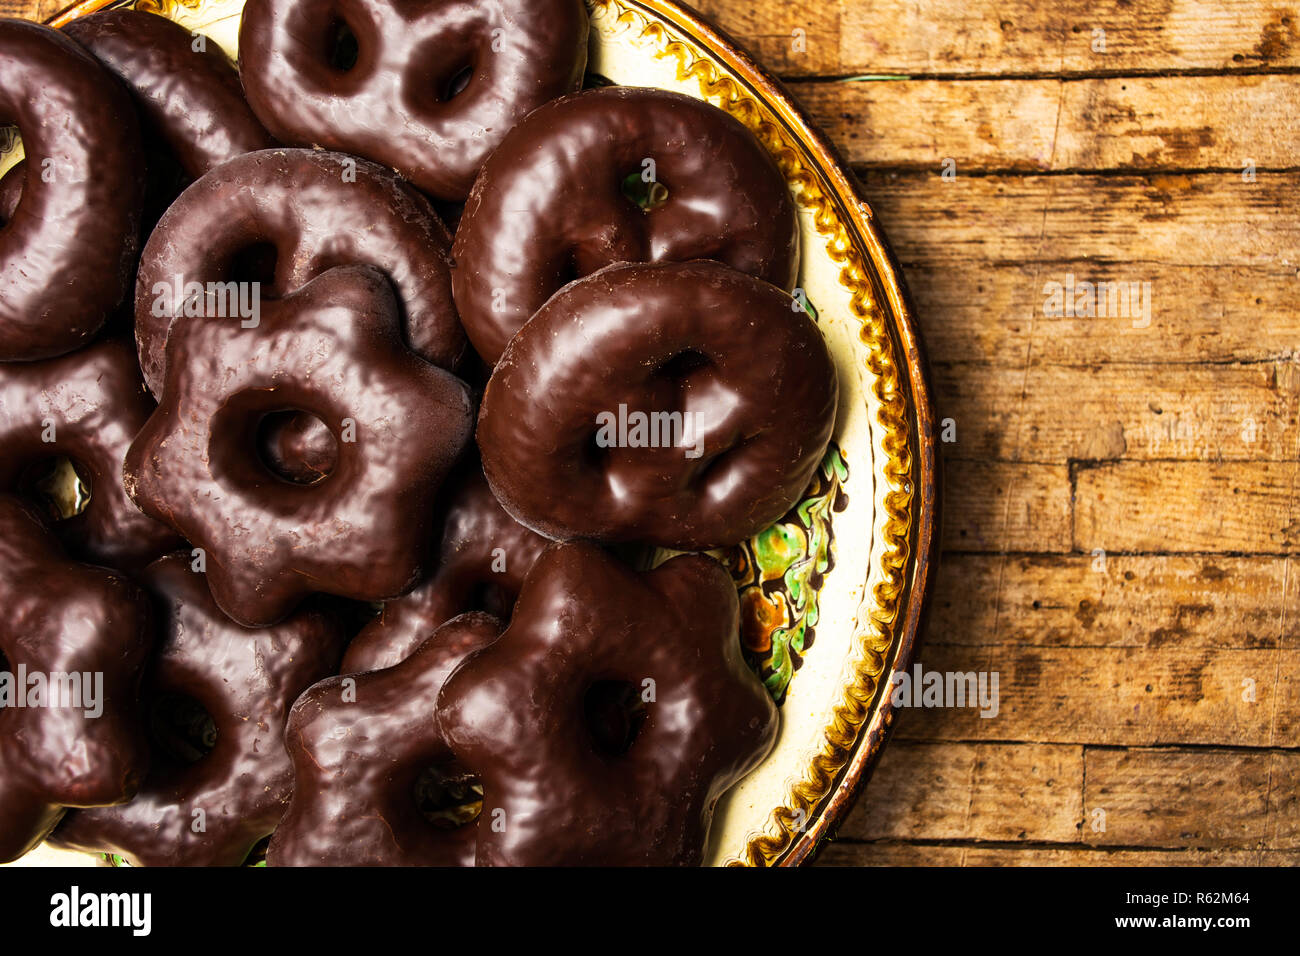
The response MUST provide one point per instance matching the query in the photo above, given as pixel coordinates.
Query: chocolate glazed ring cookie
(374, 782)
(427, 87)
(332, 349)
(87, 408)
(684, 405)
(191, 97)
(73, 642)
(482, 561)
(281, 217)
(591, 640)
(67, 251)
(218, 697)
(615, 175)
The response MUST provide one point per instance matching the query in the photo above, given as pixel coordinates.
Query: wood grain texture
(1210, 602)
(1218, 413)
(1159, 798)
(886, 853)
(1121, 524)
(1088, 226)
(1188, 506)
(982, 791)
(1011, 37)
(1079, 124)
(41, 10)
(982, 310)
(1119, 696)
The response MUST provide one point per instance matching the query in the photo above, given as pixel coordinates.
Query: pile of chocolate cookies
(324, 533)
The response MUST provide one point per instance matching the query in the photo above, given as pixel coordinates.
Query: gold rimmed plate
(832, 594)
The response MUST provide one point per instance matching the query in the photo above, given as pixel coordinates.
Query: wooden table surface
(1121, 526)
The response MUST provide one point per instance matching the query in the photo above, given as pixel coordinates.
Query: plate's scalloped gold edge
(874, 637)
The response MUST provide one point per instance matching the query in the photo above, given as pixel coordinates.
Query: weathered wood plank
(1111, 123)
(40, 10)
(1053, 414)
(890, 853)
(1010, 36)
(1161, 798)
(1187, 506)
(983, 311)
(972, 791)
(1127, 696)
(1114, 601)
(1123, 223)
(1167, 798)
(1001, 506)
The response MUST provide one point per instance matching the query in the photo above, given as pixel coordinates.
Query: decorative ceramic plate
(831, 595)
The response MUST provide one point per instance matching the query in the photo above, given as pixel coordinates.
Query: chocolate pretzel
(80, 633)
(87, 407)
(281, 217)
(610, 716)
(610, 175)
(364, 748)
(334, 350)
(218, 784)
(190, 97)
(482, 561)
(685, 405)
(428, 88)
(68, 247)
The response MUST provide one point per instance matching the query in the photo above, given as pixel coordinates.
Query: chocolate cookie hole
(595, 456)
(296, 446)
(257, 855)
(56, 486)
(180, 729)
(11, 191)
(491, 598)
(568, 271)
(253, 263)
(341, 47)
(456, 84)
(683, 364)
(614, 713)
(647, 196)
(448, 795)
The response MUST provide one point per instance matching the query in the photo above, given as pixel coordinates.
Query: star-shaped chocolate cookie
(610, 716)
(374, 782)
(334, 349)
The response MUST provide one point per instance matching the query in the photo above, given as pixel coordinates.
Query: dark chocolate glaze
(517, 713)
(67, 252)
(693, 337)
(333, 349)
(435, 84)
(246, 681)
(92, 403)
(191, 98)
(317, 210)
(359, 746)
(58, 617)
(482, 560)
(549, 205)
